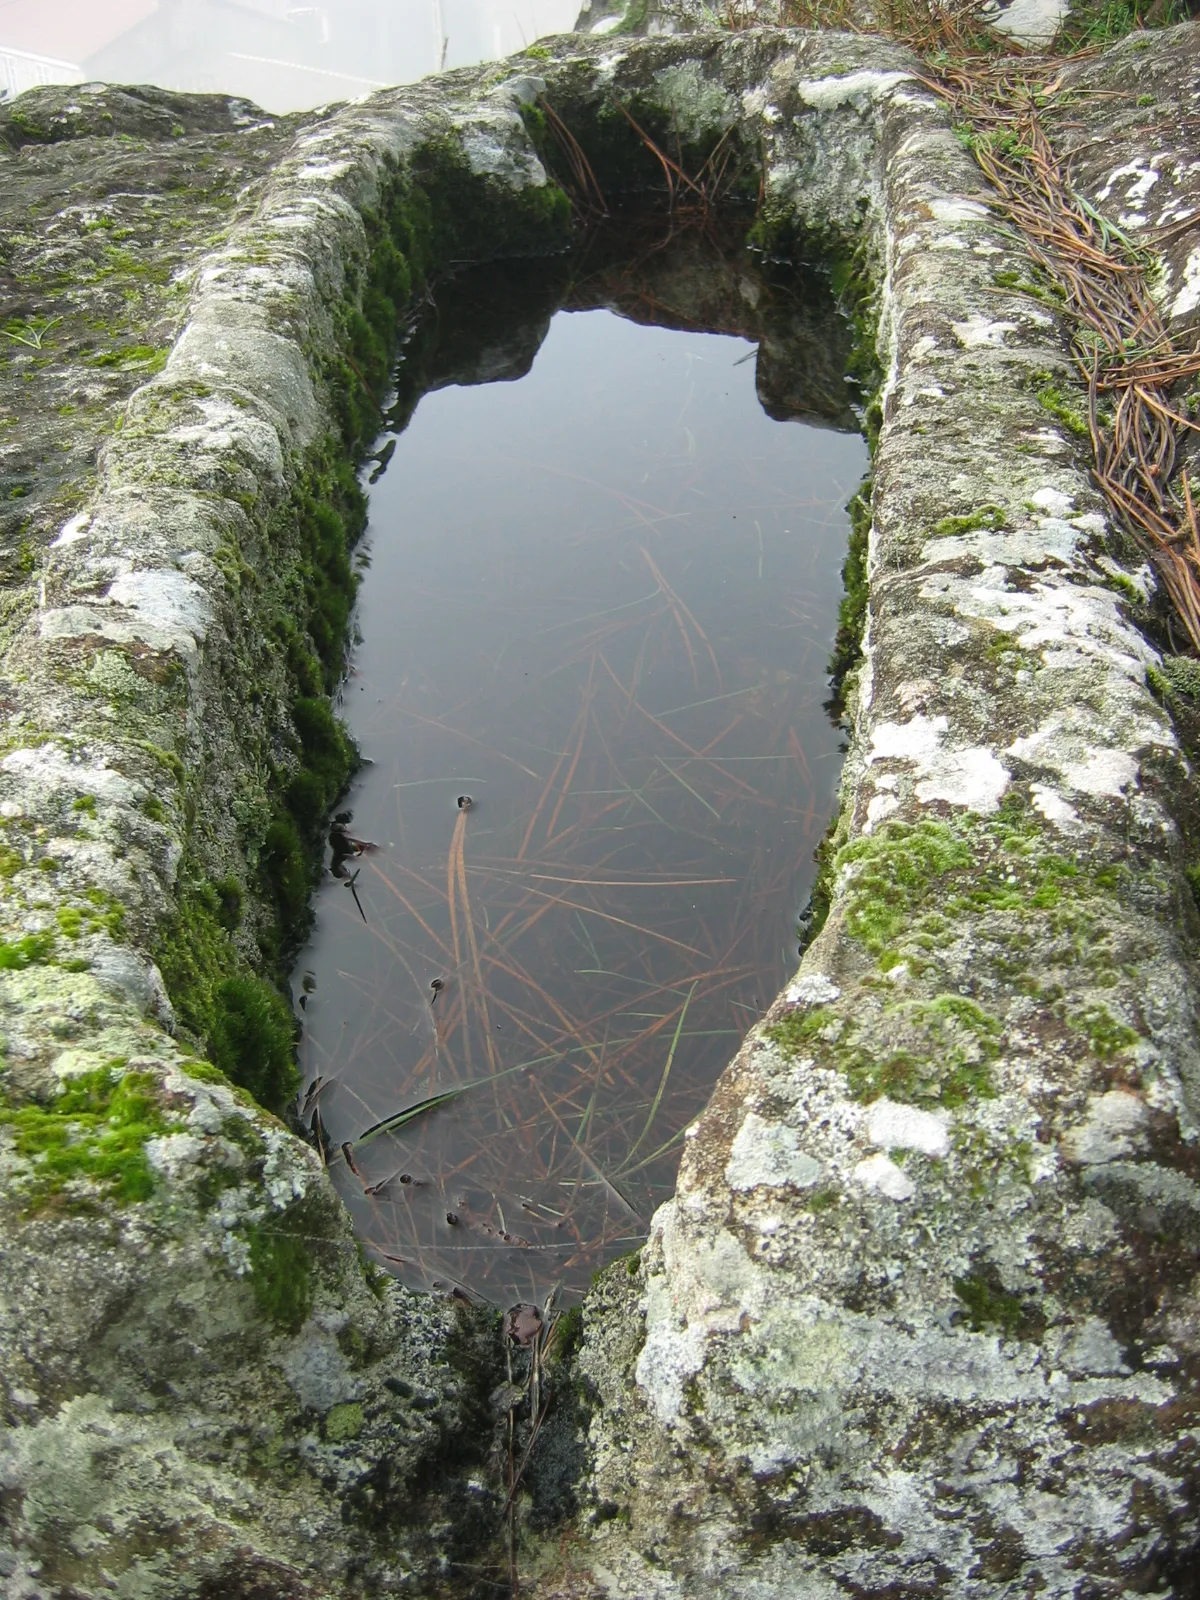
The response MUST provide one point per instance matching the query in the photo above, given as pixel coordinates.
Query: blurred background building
(282, 55)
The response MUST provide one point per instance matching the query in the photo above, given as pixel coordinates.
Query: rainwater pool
(590, 682)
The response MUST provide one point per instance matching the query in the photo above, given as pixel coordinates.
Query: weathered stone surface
(109, 199)
(961, 1357)
(923, 1316)
(204, 1389)
(1124, 133)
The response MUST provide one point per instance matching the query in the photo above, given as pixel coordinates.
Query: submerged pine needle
(630, 897)
(662, 1082)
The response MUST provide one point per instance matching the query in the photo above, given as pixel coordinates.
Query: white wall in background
(19, 70)
(286, 56)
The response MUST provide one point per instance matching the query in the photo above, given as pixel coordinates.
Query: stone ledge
(882, 1336)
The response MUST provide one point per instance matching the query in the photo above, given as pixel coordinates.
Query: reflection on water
(282, 55)
(590, 684)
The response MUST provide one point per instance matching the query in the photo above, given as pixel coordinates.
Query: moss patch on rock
(924, 1052)
(282, 1269)
(90, 1141)
(908, 885)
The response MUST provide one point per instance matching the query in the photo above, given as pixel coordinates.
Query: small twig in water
(350, 882)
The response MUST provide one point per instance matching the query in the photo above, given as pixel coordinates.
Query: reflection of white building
(284, 55)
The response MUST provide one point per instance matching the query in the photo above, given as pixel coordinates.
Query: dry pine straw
(1120, 345)
(1097, 275)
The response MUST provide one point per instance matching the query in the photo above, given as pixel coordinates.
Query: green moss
(815, 913)
(1003, 649)
(852, 609)
(96, 1129)
(85, 803)
(281, 1268)
(344, 1422)
(202, 1071)
(909, 892)
(987, 1306)
(943, 1058)
(229, 902)
(989, 517)
(795, 1032)
(32, 950)
(936, 1052)
(237, 1017)
(252, 1038)
(106, 913)
(906, 880)
(326, 516)
(328, 757)
(894, 872)
(167, 758)
(102, 914)
(1125, 587)
(1105, 1035)
(568, 1328)
(1046, 290)
(1062, 408)
(468, 216)
(1180, 674)
(287, 870)
(146, 358)
(1001, 142)
(377, 1280)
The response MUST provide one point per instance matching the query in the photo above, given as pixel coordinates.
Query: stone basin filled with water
(591, 685)
(920, 1310)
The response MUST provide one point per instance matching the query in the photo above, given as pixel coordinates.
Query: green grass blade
(433, 1101)
(662, 1082)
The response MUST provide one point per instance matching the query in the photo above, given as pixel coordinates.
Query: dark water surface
(600, 604)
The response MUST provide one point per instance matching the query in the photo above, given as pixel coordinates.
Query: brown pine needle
(584, 717)
(1103, 276)
(681, 610)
